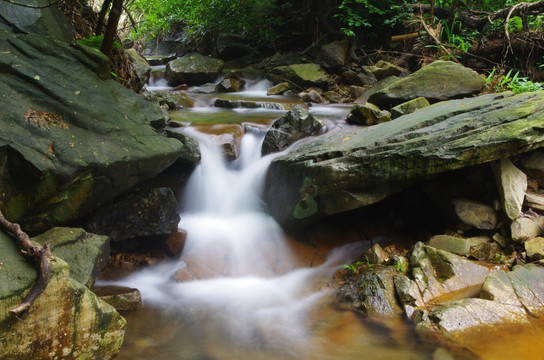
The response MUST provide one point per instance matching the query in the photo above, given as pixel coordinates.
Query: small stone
(279, 89)
(535, 248)
(453, 244)
(367, 114)
(121, 298)
(409, 107)
(376, 255)
(475, 214)
(501, 240)
(512, 184)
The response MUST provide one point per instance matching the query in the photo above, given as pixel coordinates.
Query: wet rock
(292, 126)
(312, 95)
(453, 244)
(486, 251)
(535, 248)
(175, 242)
(207, 88)
(408, 293)
(121, 298)
(512, 184)
(66, 321)
(383, 69)
(302, 75)
(139, 69)
(334, 54)
(193, 69)
(436, 82)
(140, 213)
(279, 89)
(231, 83)
(526, 228)
(367, 114)
(376, 255)
(92, 139)
(356, 166)
(191, 152)
(409, 107)
(476, 214)
(373, 292)
(522, 288)
(86, 254)
(438, 272)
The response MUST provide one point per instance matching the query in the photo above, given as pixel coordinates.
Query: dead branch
(432, 34)
(41, 255)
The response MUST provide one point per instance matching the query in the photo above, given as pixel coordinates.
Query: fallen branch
(437, 41)
(41, 255)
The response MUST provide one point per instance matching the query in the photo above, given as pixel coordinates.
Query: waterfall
(248, 296)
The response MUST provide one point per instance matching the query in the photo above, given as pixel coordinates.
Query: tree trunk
(111, 28)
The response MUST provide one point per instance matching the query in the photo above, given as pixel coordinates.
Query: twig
(433, 36)
(507, 24)
(41, 255)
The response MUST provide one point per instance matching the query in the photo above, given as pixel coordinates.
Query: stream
(248, 291)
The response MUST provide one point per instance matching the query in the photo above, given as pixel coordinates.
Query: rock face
(70, 132)
(302, 75)
(193, 69)
(140, 213)
(66, 321)
(292, 126)
(85, 253)
(435, 82)
(355, 167)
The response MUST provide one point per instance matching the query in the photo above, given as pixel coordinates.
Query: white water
(249, 297)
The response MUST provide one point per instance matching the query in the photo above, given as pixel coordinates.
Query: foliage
(401, 266)
(353, 267)
(511, 82)
(356, 15)
(95, 41)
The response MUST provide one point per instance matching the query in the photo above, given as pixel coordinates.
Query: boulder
(436, 82)
(139, 69)
(535, 248)
(121, 298)
(312, 95)
(526, 228)
(191, 153)
(292, 126)
(383, 69)
(512, 184)
(453, 244)
(350, 77)
(65, 321)
(76, 137)
(367, 114)
(193, 69)
(409, 107)
(354, 167)
(334, 54)
(302, 75)
(86, 254)
(376, 255)
(279, 89)
(533, 165)
(140, 213)
(476, 214)
(230, 85)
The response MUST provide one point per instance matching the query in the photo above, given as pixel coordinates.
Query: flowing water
(244, 292)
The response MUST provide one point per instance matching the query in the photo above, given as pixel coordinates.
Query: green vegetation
(352, 267)
(511, 82)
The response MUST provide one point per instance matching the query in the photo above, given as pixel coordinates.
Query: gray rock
(436, 82)
(193, 69)
(92, 139)
(355, 166)
(292, 126)
(534, 201)
(191, 153)
(409, 107)
(533, 165)
(140, 213)
(438, 272)
(86, 254)
(453, 244)
(279, 89)
(476, 214)
(376, 255)
(408, 293)
(139, 69)
(334, 54)
(526, 228)
(312, 95)
(232, 46)
(383, 69)
(121, 298)
(512, 184)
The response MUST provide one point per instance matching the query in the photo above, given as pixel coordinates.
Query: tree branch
(41, 255)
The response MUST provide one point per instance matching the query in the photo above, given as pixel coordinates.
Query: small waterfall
(249, 298)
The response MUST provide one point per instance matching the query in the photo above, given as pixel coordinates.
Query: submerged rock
(66, 321)
(292, 126)
(354, 167)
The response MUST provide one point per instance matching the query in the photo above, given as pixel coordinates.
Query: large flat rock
(357, 166)
(71, 137)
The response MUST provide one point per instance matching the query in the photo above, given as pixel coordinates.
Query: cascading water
(246, 296)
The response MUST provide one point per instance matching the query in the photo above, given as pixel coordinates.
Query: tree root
(41, 255)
